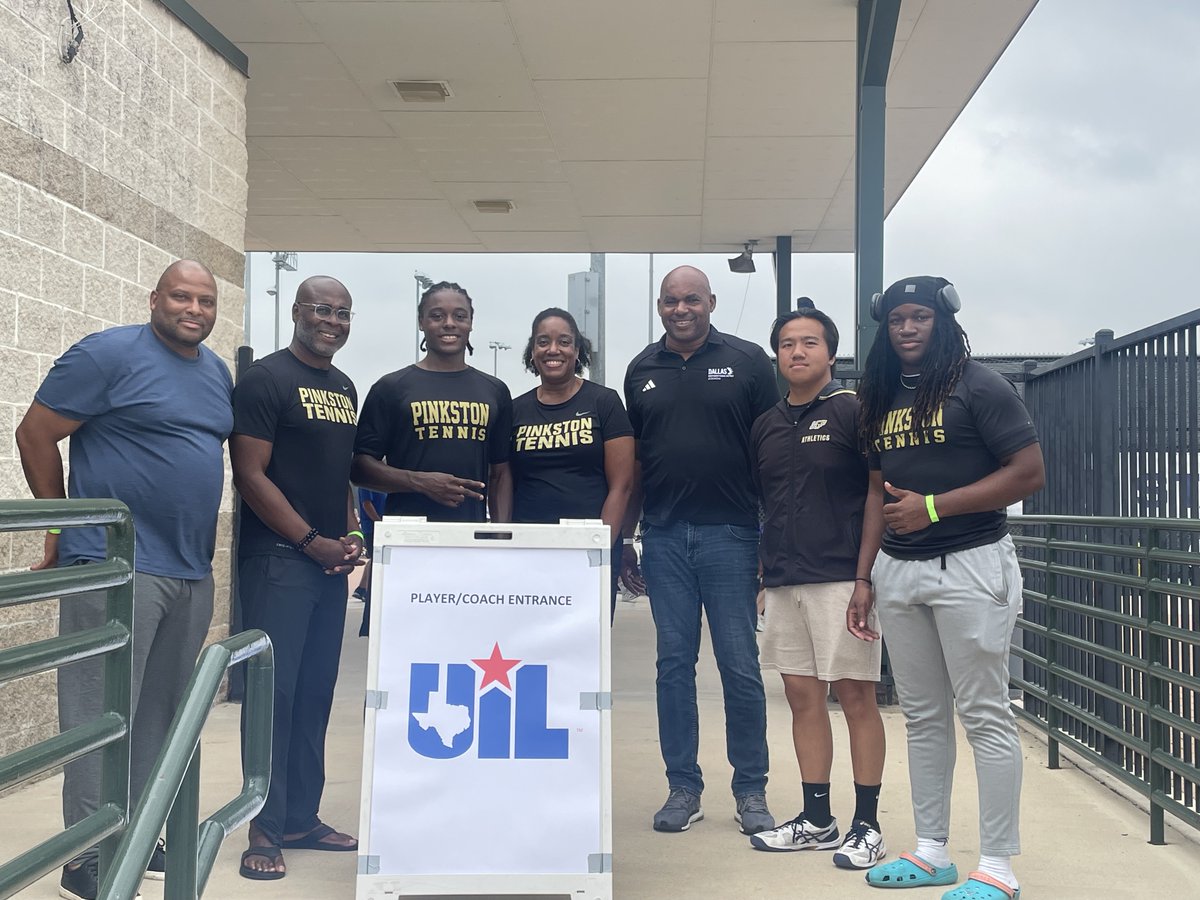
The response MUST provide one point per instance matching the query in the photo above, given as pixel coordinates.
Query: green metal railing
(109, 733)
(172, 794)
(1110, 638)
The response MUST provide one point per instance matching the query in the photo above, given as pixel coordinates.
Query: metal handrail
(108, 733)
(1158, 756)
(172, 795)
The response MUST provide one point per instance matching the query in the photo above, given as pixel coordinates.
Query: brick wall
(110, 167)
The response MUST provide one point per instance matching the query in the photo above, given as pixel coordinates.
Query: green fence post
(1052, 713)
(1154, 615)
(118, 687)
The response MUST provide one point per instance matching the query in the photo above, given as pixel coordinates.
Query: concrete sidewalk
(1081, 839)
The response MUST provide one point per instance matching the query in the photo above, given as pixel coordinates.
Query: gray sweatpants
(171, 617)
(947, 622)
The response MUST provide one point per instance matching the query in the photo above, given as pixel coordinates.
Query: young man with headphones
(951, 445)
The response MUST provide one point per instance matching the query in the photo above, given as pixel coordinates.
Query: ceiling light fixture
(422, 91)
(494, 206)
(743, 263)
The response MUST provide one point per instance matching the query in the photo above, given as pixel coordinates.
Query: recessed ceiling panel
(736, 221)
(613, 38)
(479, 146)
(649, 118)
(631, 234)
(769, 21)
(782, 89)
(765, 168)
(656, 188)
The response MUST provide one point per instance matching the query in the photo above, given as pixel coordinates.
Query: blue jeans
(713, 568)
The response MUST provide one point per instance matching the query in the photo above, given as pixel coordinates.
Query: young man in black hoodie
(820, 537)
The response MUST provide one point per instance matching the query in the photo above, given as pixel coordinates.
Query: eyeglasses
(325, 311)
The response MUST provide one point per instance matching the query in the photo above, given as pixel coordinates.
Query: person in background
(572, 444)
(369, 505)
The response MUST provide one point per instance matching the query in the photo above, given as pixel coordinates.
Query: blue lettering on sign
(446, 723)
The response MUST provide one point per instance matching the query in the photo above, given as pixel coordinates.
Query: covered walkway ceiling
(611, 125)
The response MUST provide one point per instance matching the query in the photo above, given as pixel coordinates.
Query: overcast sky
(1063, 200)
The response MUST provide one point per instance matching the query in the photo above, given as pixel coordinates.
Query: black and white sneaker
(798, 834)
(80, 882)
(157, 869)
(862, 848)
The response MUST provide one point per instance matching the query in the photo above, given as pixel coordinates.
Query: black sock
(816, 804)
(866, 803)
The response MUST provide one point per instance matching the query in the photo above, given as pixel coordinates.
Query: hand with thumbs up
(908, 513)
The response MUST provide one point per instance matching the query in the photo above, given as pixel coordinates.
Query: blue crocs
(911, 871)
(981, 886)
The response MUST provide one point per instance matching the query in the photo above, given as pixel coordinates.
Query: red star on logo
(495, 668)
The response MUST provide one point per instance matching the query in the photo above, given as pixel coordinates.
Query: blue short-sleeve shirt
(153, 427)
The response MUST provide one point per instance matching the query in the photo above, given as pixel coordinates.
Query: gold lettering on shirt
(553, 435)
(898, 433)
(463, 420)
(327, 406)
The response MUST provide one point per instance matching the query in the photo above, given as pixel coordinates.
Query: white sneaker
(798, 834)
(862, 848)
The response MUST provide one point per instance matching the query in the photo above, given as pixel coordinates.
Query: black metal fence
(1119, 425)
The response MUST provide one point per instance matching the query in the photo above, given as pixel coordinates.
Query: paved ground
(1081, 839)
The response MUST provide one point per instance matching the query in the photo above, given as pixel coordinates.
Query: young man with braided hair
(951, 445)
(435, 435)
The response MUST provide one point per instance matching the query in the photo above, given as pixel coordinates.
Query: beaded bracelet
(306, 540)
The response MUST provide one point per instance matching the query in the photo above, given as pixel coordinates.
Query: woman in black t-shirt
(572, 444)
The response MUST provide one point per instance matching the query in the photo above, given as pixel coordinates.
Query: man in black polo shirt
(692, 398)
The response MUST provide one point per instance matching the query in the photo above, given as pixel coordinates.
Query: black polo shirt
(692, 420)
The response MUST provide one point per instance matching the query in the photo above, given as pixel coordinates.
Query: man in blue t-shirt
(147, 409)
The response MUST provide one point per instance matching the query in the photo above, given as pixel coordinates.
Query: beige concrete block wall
(110, 168)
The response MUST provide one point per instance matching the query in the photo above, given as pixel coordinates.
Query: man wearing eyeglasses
(295, 417)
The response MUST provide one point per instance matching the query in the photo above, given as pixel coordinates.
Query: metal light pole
(283, 259)
(424, 283)
(496, 347)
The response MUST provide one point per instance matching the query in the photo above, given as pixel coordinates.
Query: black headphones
(945, 298)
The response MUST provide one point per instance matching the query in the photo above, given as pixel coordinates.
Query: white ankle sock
(933, 852)
(1000, 868)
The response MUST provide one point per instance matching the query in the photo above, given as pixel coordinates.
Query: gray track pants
(947, 622)
(171, 617)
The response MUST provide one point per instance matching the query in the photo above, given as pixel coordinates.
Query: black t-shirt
(812, 479)
(308, 415)
(557, 454)
(983, 422)
(452, 422)
(692, 419)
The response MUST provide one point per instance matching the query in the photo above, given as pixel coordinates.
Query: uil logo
(503, 719)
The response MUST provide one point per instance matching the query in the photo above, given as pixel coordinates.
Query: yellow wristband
(54, 530)
(929, 508)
